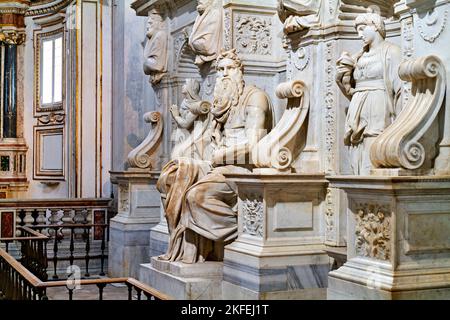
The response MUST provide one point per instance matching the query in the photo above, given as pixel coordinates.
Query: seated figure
(192, 119)
(200, 203)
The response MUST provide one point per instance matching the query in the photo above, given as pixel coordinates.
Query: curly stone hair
(232, 55)
(373, 19)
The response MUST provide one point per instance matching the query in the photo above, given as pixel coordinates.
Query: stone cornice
(47, 7)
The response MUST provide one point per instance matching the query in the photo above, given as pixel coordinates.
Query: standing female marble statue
(155, 51)
(192, 119)
(206, 36)
(370, 79)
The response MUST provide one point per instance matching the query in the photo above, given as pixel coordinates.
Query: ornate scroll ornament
(431, 20)
(302, 59)
(284, 143)
(253, 35)
(252, 213)
(373, 231)
(407, 142)
(52, 118)
(143, 156)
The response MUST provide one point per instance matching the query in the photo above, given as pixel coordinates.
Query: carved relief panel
(253, 34)
(373, 238)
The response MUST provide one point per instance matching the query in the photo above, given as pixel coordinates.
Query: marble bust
(206, 37)
(370, 80)
(200, 203)
(299, 14)
(155, 51)
(192, 119)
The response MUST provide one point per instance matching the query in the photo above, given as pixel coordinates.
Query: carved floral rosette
(402, 144)
(373, 231)
(142, 156)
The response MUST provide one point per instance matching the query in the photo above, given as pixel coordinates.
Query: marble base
(279, 252)
(200, 281)
(159, 239)
(138, 212)
(128, 248)
(398, 238)
(360, 281)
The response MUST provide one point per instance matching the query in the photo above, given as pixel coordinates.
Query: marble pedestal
(199, 281)
(138, 212)
(398, 239)
(279, 252)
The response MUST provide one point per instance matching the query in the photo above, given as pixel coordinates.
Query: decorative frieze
(373, 231)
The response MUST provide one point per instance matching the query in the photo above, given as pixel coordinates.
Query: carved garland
(141, 157)
(408, 52)
(401, 145)
(303, 58)
(330, 113)
(373, 231)
(252, 214)
(432, 38)
(329, 216)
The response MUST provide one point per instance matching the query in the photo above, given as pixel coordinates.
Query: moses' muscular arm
(256, 113)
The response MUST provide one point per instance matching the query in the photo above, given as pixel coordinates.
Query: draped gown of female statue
(373, 104)
(371, 80)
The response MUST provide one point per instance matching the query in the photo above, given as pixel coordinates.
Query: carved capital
(14, 37)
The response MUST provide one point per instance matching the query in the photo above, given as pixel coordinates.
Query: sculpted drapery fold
(200, 203)
(155, 50)
(206, 37)
(299, 14)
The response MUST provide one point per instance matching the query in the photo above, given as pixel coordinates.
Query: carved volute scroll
(143, 156)
(407, 142)
(283, 144)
